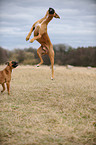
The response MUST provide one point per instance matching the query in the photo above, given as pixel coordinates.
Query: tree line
(64, 55)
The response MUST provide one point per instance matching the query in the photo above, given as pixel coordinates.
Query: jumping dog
(40, 34)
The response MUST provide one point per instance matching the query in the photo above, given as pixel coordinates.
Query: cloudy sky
(77, 26)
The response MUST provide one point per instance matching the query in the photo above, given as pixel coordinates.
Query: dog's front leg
(35, 38)
(8, 87)
(3, 85)
(29, 34)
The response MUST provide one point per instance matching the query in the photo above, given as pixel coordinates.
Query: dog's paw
(27, 38)
(52, 78)
(37, 65)
(2, 91)
(31, 40)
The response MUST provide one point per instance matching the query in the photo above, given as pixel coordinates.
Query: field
(41, 111)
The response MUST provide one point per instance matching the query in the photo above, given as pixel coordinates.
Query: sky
(76, 26)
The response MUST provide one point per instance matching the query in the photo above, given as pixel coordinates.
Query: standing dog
(40, 34)
(5, 75)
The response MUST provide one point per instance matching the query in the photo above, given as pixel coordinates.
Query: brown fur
(40, 34)
(5, 75)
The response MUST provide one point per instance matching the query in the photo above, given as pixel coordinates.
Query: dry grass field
(41, 111)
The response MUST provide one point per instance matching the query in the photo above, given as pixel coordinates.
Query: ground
(41, 111)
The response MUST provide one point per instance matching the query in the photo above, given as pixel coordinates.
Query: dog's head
(12, 64)
(52, 13)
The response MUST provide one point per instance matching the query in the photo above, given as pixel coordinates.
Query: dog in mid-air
(40, 34)
(5, 75)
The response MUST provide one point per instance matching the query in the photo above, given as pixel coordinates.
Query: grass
(40, 111)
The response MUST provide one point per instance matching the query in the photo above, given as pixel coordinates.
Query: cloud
(78, 20)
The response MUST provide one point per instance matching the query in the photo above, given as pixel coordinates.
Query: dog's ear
(7, 63)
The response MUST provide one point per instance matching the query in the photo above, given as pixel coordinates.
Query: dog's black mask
(14, 64)
(51, 11)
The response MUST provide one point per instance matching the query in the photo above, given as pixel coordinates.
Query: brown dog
(40, 34)
(5, 75)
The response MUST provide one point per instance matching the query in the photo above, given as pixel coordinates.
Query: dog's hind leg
(51, 56)
(3, 85)
(42, 50)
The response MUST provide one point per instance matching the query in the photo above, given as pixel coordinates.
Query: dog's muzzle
(14, 64)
